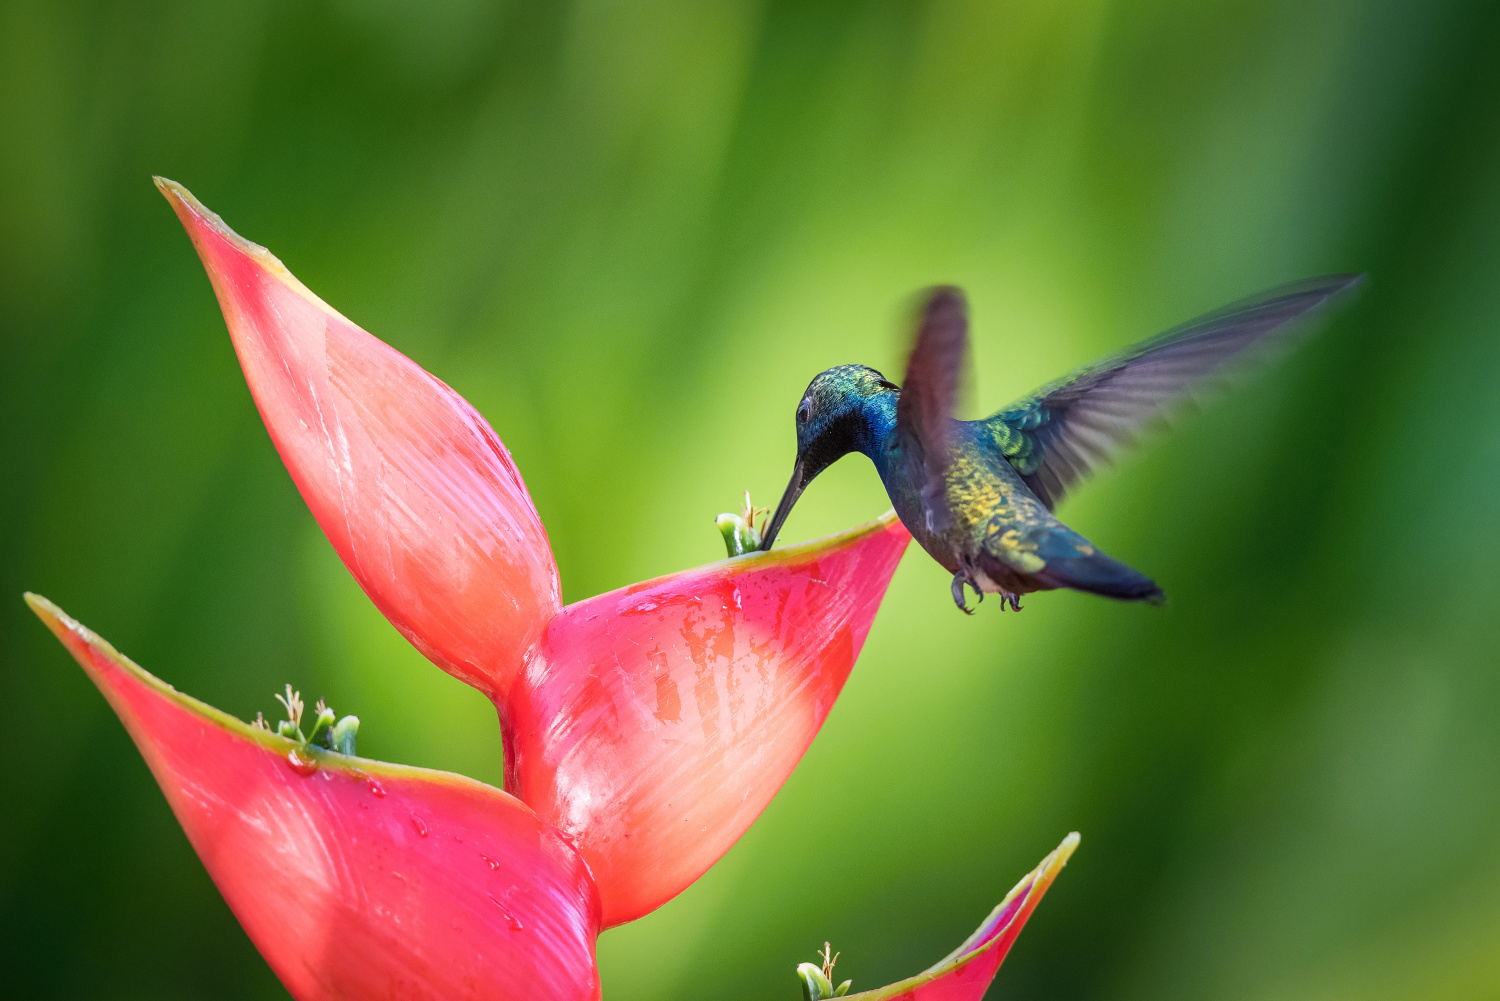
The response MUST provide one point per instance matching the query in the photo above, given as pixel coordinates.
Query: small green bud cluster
(328, 731)
(817, 981)
(739, 531)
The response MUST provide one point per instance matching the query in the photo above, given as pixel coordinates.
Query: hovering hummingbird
(979, 495)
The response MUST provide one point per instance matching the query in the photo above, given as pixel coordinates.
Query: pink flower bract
(415, 491)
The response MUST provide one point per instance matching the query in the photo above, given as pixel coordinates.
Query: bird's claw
(959, 580)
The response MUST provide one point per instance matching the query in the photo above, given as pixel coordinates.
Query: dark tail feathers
(1100, 574)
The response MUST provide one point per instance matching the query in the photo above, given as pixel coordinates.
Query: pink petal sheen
(654, 723)
(356, 879)
(966, 973)
(413, 488)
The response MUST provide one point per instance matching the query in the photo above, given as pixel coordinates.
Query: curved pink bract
(357, 879)
(415, 491)
(966, 973)
(654, 723)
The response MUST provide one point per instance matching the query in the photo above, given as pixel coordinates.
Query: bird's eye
(802, 412)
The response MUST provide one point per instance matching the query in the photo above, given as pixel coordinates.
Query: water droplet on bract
(493, 864)
(416, 822)
(510, 918)
(301, 763)
(375, 787)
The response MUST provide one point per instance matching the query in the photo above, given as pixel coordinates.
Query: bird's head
(832, 421)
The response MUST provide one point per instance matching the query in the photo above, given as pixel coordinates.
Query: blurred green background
(630, 233)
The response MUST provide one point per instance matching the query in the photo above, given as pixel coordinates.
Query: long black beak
(793, 491)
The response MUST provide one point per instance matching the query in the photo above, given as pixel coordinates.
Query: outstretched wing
(924, 411)
(1062, 432)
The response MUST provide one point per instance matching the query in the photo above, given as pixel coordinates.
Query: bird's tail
(1103, 575)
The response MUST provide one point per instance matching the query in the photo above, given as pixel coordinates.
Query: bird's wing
(1064, 430)
(924, 411)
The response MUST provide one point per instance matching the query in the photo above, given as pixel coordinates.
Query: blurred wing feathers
(924, 411)
(1065, 430)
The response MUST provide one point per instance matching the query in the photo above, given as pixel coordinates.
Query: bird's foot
(959, 580)
(1013, 599)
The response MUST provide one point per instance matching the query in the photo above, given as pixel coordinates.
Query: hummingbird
(979, 496)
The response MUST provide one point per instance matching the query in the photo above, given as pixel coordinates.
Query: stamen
(328, 732)
(293, 705)
(739, 531)
(817, 983)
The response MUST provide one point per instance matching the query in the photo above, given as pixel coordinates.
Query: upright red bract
(415, 491)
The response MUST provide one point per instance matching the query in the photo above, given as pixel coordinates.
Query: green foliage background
(630, 233)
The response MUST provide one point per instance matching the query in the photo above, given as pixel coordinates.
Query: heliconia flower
(644, 729)
(650, 725)
(362, 881)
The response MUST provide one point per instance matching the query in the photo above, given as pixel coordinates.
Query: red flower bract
(415, 491)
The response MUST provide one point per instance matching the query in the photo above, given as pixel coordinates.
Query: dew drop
(510, 918)
(375, 787)
(416, 822)
(301, 764)
(493, 864)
